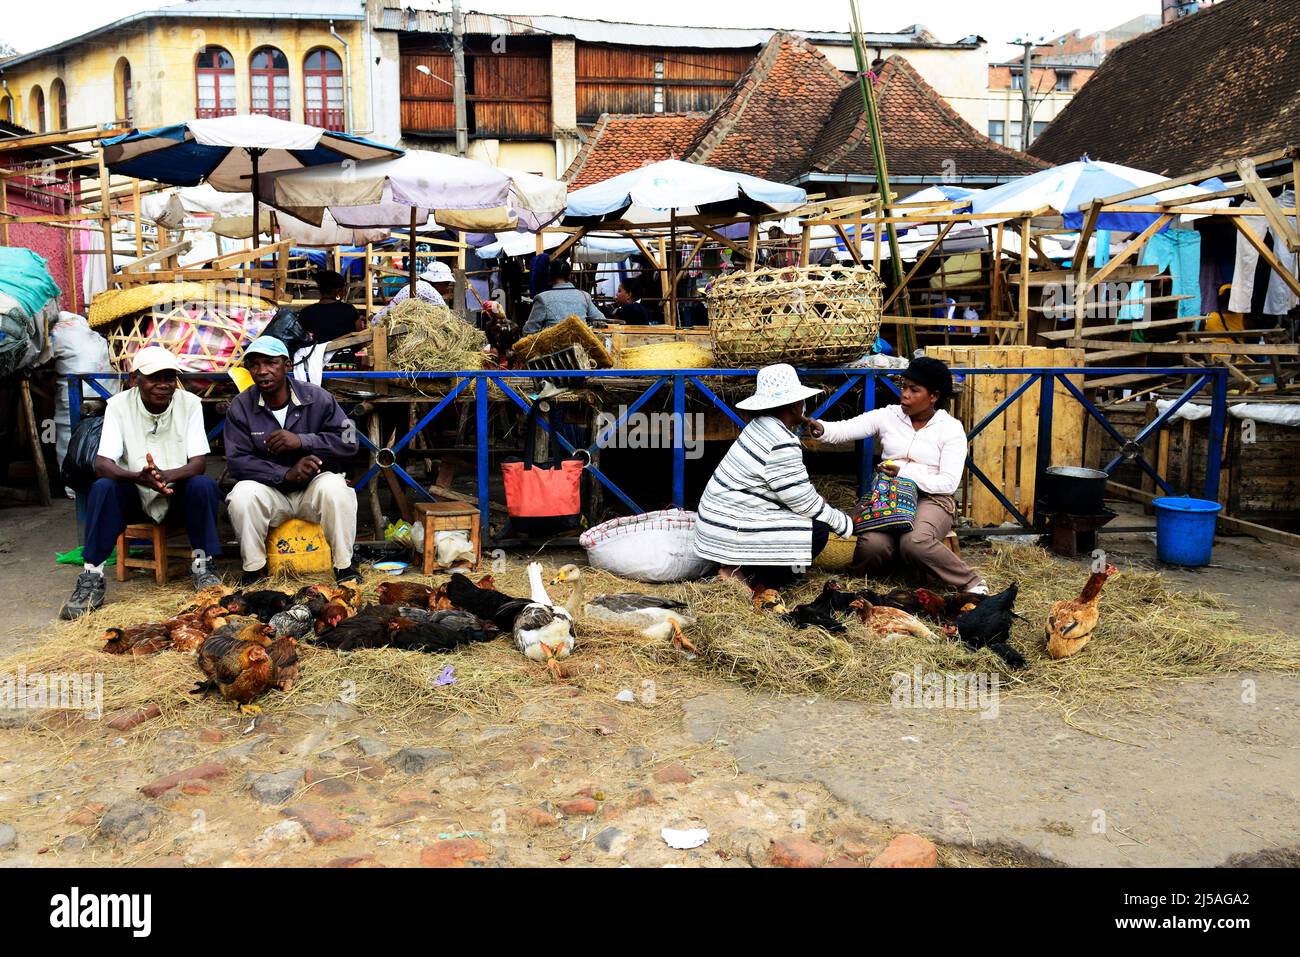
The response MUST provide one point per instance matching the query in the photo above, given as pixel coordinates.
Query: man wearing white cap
(760, 516)
(152, 454)
(434, 286)
(287, 444)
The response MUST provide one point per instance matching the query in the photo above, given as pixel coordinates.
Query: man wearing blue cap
(287, 444)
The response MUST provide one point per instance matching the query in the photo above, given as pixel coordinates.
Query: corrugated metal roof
(430, 16)
(216, 9)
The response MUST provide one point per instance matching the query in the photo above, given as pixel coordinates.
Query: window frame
(325, 116)
(275, 78)
(216, 73)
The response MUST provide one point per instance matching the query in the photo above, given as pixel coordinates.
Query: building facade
(301, 60)
(1058, 70)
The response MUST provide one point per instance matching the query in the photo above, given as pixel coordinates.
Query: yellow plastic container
(299, 546)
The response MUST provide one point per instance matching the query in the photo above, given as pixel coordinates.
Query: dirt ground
(1196, 776)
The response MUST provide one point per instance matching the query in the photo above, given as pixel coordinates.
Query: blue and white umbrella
(652, 193)
(1070, 188)
(230, 152)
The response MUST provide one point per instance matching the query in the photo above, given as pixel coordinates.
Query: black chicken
(833, 598)
(988, 625)
(440, 631)
(368, 628)
(488, 604)
(904, 599)
(263, 604)
(812, 615)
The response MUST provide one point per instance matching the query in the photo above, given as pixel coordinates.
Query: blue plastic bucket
(1185, 530)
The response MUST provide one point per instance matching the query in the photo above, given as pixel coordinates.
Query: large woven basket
(810, 316)
(206, 336)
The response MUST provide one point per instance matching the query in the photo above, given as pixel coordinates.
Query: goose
(543, 630)
(652, 616)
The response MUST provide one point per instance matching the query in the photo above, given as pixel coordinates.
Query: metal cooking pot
(1073, 490)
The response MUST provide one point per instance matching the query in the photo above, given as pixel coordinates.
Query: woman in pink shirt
(921, 442)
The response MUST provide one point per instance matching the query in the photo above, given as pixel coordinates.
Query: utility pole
(458, 77)
(1026, 106)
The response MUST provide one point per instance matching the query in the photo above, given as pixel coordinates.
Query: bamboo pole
(139, 220)
(106, 217)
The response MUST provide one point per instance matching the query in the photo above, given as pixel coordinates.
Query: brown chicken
(488, 582)
(884, 622)
(1071, 621)
(769, 599)
(333, 613)
(283, 653)
(188, 629)
(137, 640)
(242, 673)
(404, 593)
(441, 602)
(211, 595)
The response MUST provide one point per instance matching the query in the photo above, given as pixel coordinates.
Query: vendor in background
(922, 442)
(436, 286)
(287, 444)
(760, 517)
(563, 299)
(152, 453)
(628, 308)
(329, 317)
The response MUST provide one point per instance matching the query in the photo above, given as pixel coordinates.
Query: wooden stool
(159, 562)
(952, 543)
(444, 517)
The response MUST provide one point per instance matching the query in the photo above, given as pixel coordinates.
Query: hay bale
(571, 332)
(809, 316)
(666, 355)
(434, 339)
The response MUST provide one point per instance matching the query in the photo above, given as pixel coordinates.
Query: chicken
(904, 599)
(209, 596)
(299, 620)
(487, 582)
(1071, 621)
(949, 606)
(440, 601)
(188, 629)
(137, 640)
(245, 628)
(334, 612)
(833, 598)
(263, 604)
(812, 615)
(368, 628)
(769, 599)
(442, 631)
(241, 672)
(885, 621)
(488, 604)
(283, 653)
(988, 625)
(404, 593)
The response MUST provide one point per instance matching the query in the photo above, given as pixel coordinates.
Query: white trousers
(328, 501)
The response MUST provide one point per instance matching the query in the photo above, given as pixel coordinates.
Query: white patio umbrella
(230, 153)
(408, 191)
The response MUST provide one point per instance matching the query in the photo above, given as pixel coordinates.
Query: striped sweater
(759, 507)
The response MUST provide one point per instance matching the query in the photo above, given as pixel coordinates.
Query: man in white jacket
(921, 442)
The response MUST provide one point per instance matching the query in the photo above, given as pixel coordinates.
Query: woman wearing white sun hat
(434, 286)
(760, 516)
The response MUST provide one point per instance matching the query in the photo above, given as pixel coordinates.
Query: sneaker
(253, 577)
(88, 596)
(203, 576)
(349, 574)
(980, 589)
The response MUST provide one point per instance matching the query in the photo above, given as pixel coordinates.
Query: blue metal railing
(680, 379)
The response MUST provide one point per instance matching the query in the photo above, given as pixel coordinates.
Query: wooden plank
(1118, 327)
(1053, 277)
(920, 261)
(1226, 523)
(1190, 179)
(62, 138)
(1124, 255)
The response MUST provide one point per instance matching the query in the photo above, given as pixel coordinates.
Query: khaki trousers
(255, 509)
(922, 547)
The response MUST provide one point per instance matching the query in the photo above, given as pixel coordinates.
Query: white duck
(654, 617)
(544, 630)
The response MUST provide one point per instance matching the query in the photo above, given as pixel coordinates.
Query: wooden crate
(1007, 449)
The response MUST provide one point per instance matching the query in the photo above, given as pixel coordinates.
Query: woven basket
(811, 316)
(205, 337)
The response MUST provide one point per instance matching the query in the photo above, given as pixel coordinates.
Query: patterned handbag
(890, 506)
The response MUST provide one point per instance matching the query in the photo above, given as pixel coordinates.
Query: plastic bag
(284, 325)
(78, 470)
(653, 547)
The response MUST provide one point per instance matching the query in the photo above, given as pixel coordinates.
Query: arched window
(36, 112)
(123, 94)
(6, 109)
(59, 96)
(323, 83)
(269, 83)
(214, 77)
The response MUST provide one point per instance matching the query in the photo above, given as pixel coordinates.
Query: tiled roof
(776, 110)
(793, 112)
(627, 141)
(924, 136)
(1221, 83)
